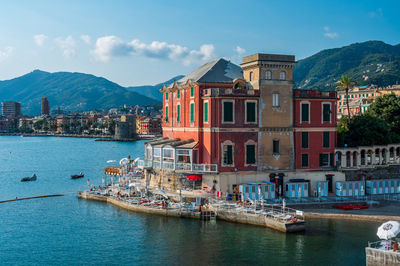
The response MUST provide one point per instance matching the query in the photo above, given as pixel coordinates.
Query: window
(191, 112)
(326, 112)
(178, 113)
(268, 75)
(166, 114)
(227, 112)
(205, 111)
(304, 160)
(166, 96)
(282, 75)
(275, 100)
(228, 154)
(250, 112)
(178, 94)
(275, 148)
(326, 140)
(250, 154)
(304, 140)
(325, 159)
(192, 91)
(305, 117)
(251, 75)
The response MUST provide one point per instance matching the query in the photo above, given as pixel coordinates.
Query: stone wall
(380, 172)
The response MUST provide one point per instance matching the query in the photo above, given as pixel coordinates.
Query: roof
(217, 71)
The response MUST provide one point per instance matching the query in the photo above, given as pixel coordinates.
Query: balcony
(181, 167)
(215, 92)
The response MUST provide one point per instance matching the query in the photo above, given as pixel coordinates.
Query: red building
(235, 124)
(213, 108)
(315, 125)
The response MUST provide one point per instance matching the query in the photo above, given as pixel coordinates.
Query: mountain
(70, 91)
(371, 62)
(153, 91)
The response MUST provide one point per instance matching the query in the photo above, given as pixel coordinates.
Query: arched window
(251, 75)
(268, 75)
(282, 75)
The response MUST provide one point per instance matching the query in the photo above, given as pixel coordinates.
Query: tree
(345, 83)
(363, 130)
(387, 107)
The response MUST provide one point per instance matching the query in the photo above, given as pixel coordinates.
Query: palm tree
(345, 83)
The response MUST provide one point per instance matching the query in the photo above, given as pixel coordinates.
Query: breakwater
(36, 197)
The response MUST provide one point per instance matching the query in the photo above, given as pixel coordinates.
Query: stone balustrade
(367, 156)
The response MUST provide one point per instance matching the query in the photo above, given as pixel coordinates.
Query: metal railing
(195, 168)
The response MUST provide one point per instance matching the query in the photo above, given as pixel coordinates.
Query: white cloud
(329, 34)
(86, 39)
(67, 46)
(108, 47)
(40, 39)
(6, 52)
(240, 50)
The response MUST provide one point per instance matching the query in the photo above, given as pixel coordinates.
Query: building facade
(315, 128)
(45, 106)
(233, 124)
(11, 109)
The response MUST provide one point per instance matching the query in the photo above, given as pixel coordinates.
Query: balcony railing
(187, 167)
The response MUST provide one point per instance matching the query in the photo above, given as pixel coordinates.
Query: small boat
(29, 178)
(350, 206)
(80, 175)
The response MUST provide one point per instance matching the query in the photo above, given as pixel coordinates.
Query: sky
(148, 42)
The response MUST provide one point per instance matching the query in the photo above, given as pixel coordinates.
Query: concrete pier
(261, 220)
(138, 208)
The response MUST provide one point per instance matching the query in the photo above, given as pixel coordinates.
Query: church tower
(272, 75)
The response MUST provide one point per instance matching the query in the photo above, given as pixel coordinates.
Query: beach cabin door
(380, 189)
(374, 188)
(293, 189)
(386, 187)
(356, 189)
(391, 186)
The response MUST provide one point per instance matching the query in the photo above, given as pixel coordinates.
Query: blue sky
(147, 42)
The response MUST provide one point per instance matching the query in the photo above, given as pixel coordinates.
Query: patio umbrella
(388, 230)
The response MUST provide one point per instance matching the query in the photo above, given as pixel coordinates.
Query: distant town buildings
(148, 126)
(11, 109)
(45, 107)
(361, 97)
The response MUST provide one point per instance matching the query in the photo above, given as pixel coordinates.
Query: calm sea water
(68, 231)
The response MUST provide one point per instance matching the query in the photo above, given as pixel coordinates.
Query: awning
(193, 177)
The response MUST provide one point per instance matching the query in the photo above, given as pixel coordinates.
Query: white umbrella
(123, 161)
(388, 230)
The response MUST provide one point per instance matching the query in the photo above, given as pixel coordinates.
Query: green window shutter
(326, 109)
(191, 91)
(192, 112)
(304, 160)
(166, 96)
(205, 111)
(178, 113)
(251, 112)
(250, 154)
(326, 140)
(230, 154)
(228, 111)
(304, 112)
(166, 114)
(178, 94)
(304, 140)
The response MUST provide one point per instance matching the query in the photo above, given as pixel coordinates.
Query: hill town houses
(227, 125)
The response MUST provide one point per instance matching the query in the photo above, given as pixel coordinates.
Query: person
(395, 246)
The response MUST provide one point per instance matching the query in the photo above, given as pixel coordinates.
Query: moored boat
(350, 206)
(80, 175)
(29, 178)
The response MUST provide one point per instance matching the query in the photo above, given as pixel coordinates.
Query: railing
(386, 245)
(195, 168)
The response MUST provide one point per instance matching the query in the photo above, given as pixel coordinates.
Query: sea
(69, 231)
